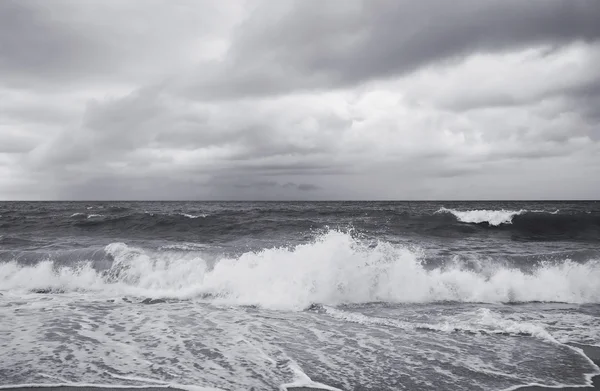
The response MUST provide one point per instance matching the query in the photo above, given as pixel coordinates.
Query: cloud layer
(299, 99)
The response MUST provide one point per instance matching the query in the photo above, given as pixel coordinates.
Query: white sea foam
(108, 386)
(482, 320)
(334, 269)
(90, 216)
(545, 211)
(302, 380)
(190, 216)
(492, 217)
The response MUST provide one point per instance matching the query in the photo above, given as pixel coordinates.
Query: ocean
(285, 295)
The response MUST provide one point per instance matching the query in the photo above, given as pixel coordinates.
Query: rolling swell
(550, 226)
(296, 222)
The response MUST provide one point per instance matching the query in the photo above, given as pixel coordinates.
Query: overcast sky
(305, 99)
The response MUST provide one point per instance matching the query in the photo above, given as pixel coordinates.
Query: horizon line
(333, 200)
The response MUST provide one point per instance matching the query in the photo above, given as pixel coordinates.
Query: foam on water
(109, 386)
(190, 216)
(480, 321)
(122, 343)
(334, 269)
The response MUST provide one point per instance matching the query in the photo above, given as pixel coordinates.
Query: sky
(299, 99)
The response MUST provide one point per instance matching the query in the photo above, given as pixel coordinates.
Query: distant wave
(84, 215)
(533, 225)
(492, 217)
(190, 216)
(333, 269)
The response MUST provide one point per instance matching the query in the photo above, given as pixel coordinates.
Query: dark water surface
(345, 295)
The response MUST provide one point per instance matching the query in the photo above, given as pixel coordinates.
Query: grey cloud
(128, 138)
(147, 133)
(300, 119)
(586, 100)
(15, 144)
(583, 91)
(47, 43)
(307, 187)
(297, 45)
(33, 44)
(273, 184)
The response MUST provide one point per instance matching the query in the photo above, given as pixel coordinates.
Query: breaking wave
(532, 225)
(492, 217)
(333, 269)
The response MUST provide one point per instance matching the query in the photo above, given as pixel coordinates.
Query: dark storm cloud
(299, 45)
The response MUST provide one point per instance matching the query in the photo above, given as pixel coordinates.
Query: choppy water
(345, 295)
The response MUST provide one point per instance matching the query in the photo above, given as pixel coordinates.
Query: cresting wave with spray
(335, 268)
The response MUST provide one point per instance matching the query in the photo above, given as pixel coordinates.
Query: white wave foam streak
(492, 217)
(555, 212)
(334, 269)
(482, 320)
(107, 386)
(190, 216)
(487, 320)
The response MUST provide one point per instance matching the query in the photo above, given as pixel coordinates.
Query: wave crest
(492, 217)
